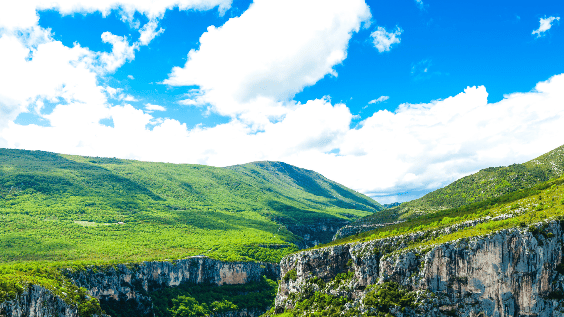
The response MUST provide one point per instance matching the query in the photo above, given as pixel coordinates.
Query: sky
(391, 98)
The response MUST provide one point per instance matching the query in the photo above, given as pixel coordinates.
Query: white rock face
(132, 282)
(508, 273)
(37, 301)
(123, 283)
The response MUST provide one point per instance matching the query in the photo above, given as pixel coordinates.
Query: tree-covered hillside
(70, 208)
(521, 208)
(485, 184)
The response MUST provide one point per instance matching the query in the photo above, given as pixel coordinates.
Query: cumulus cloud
(429, 145)
(269, 53)
(45, 70)
(23, 14)
(37, 69)
(378, 100)
(545, 25)
(383, 40)
(151, 107)
(426, 145)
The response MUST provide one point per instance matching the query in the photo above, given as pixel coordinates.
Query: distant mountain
(487, 183)
(387, 206)
(66, 207)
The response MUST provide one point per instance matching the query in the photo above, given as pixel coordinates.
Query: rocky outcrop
(36, 301)
(513, 272)
(129, 284)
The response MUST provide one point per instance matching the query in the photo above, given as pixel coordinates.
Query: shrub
(389, 294)
(290, 275)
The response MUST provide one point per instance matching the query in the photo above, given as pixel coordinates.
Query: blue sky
(391, 98)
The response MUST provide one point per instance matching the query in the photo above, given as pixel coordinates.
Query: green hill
(520, 208)
(486, 184)
(70, 208)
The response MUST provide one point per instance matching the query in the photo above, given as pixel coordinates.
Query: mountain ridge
(220, 212)
(487, 183)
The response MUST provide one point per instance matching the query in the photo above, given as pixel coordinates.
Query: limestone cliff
(36, 301)
(513, 272)
(129, 284)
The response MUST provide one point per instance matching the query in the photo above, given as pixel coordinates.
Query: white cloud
(191, 102)
(384, 40)
(439, 142)
(112, 92)
(545, 25)
(121, 51)
(9, 110)
(45, 70)
(33, 59)
(426, 145)
(130, 77)
(35, 68)
(129, 98)
(270, 53)
(23, 14)
(378, 100)
(149, 32)
(151, 107)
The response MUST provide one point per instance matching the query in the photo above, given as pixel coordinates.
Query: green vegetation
(525, 207)
(522, 209)
(67, 208)
(14, 279)
(290, 275)
(486, 184)
(378, 301)
(201, 300)
(535, 197)
(322, 304)
(316, 301)
(59, 211)
(387, 295)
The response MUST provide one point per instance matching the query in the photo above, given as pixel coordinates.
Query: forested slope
(485, 184)
(69, 208)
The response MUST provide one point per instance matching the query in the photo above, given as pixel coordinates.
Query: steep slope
(295, 179)
(284, 179)
(487, 183)
(499, 257)
(63, 207)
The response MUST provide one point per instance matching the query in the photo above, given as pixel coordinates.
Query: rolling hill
(61, 208)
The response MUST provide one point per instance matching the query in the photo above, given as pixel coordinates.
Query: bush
(389, 294)
(290, 275)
